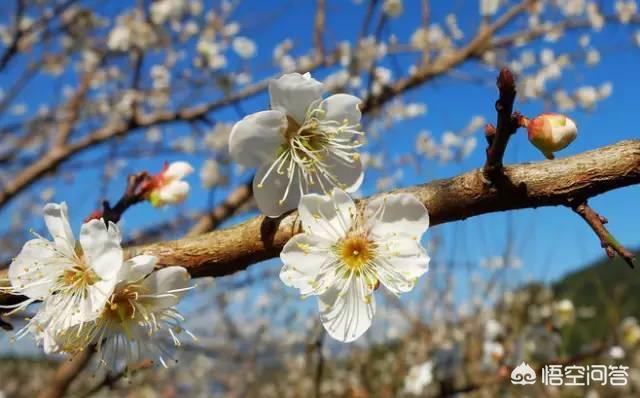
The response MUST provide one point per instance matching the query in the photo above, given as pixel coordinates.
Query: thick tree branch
(547, 183)
(236, 199)
(58, 155)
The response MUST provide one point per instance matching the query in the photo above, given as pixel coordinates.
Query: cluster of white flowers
(91, 296)
(419, 376)
(453, 146)
(492, 349)
(164, 10)
(305, 150)
(626, 9)
(131, 31)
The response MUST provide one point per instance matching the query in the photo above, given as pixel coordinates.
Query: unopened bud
(551, 132)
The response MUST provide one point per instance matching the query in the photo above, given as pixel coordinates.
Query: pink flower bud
(551, 132)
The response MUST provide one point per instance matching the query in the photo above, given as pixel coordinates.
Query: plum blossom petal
(172, 281)
(137, 267)
(306, 258)
(348, 175)
(401, 262)
(396, 214)
(56, 218)
(347, 310)
(293, 93)
(177, 170)
(342, 108)
(255, 140)
(269, 188)
(33, 271)
(173, 192)
(327, 217)
(101, 248)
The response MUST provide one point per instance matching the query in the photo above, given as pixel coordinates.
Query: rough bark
(547, 183)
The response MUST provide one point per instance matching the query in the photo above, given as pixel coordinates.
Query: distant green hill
(611, 288)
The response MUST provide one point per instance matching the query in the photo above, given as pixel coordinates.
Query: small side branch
(133, 194)
(610, 245)
(498, 137)
(318, 29)
(65, 374)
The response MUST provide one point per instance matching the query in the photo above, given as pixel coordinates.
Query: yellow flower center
(356, 251)
(121, 306)
(79, 276)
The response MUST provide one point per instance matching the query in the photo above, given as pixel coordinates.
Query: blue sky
(551, 241)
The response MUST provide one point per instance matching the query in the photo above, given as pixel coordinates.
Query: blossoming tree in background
(108, 109)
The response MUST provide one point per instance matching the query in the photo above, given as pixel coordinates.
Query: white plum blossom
(131, 30)
(626, 9)
(211, 175)
(616, 352)
(163, 10)
(563, 312)
(74, 279)
(303, 144)
(244, 47)
(492, 353)
(230, 29)
(392, 8)
(629, 332)
(212, 52)
(138, 320)
(489, 7)
(551, 132)
(343, 255)
(119, 38)
(418, 378)
(493, 329)
(168, 186)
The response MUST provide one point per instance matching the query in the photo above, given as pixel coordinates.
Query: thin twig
(65, 374)
(498, 137)
(608, 242)
(319, 25)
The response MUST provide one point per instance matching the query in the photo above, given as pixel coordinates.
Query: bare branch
(318, 31)
(610, 245)
(234, 201)
(499, 137)
(65, 374)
